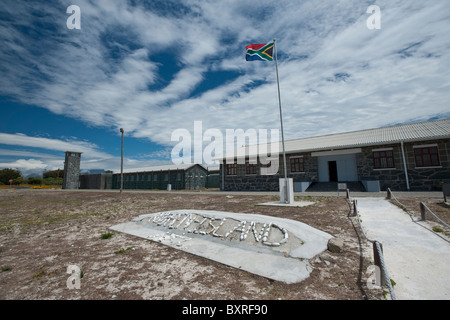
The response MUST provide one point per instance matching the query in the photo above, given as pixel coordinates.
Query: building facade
(181, 177)
(405, 157)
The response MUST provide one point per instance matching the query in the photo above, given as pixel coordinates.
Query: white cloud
(387, 78)
(89, 149)
(26, 167)
(32, 162)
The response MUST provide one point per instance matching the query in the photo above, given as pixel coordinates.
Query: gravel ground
(43, 232)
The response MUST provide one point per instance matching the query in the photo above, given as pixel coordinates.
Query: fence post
(389, 195)
(422, 211)
(355, 208)
(377, 261)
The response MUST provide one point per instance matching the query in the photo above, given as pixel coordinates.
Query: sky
(152, 67)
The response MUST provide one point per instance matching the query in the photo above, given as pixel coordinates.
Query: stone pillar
(72, 170)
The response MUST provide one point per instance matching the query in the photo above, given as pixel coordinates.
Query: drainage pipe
(404, 166)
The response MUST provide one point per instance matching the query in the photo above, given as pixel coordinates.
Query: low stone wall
(252, 183)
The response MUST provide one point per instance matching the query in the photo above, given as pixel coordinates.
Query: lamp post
(121, 164)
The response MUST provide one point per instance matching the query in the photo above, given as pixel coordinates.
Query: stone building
(412, 157)
(71, 170)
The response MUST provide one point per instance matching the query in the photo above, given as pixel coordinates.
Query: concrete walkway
(416, 259)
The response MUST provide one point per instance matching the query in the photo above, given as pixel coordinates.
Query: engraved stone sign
(265, 245)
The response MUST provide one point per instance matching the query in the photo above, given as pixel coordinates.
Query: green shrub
(106, 235)
(34, 180)
(51, 181)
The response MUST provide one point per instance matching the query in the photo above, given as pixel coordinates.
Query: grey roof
(420, 131)
(171, 167)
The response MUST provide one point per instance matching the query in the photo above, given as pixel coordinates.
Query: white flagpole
(286, 192)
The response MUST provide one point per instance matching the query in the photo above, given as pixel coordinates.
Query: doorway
(332, 171)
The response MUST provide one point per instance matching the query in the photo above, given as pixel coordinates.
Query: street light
(121, 164)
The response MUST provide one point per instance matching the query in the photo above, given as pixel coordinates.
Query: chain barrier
(390, 195)
(425, 207)
(377, 246)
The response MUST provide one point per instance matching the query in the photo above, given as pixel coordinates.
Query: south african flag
(262, 52)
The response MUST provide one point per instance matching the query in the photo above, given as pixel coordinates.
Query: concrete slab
(416, 259)
(271, 247)
(281, 204)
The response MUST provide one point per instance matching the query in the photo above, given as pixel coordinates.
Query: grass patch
(39, 274)
(96, 214)
(122, 250)
(437, 229)
(106, 235)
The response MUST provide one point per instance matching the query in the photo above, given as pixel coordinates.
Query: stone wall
(96, 181)
(243, 182)
(71, 170)
(420, 179)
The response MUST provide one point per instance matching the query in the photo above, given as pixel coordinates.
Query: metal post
(286, 198)
(223, 176)
(355, 208)
(404, 166)
(377, 260)
(121, 164)
(422, 211)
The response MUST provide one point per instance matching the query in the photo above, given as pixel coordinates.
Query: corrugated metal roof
(420, 131)
(168, 167)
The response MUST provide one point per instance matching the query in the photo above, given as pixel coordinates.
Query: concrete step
(354, 186)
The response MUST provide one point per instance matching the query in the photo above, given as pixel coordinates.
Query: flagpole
(281, 120)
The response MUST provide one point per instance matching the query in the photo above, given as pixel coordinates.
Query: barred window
(231, 169)
(297, 164)
(250, 168)
(427, 157)
(383, 159)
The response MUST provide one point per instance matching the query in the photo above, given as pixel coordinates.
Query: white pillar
(290, 190)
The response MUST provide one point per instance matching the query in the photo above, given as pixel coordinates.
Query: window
(383, 159)
(250, 168)
(297, 164)
(231, 169)
(426, 156)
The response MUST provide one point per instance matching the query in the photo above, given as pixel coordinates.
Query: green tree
(8, 174)
(54, 174)
(19, 180)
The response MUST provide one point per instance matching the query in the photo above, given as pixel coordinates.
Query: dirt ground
(439, 208)
(43, 232)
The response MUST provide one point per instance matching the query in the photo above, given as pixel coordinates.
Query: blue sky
(152, 67)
